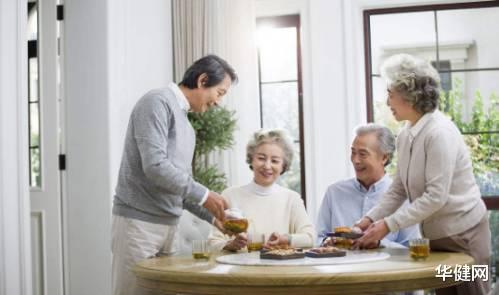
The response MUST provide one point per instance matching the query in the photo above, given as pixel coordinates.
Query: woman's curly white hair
(414, 78)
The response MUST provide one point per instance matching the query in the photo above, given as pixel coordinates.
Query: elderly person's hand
(363, 223)
(216, 205)
(277, 239)
(374, 233)
(329, 241)
(220, 226)
(240, 241)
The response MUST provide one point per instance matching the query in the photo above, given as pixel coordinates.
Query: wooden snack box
(270, 255)
(345, 235)
(325, 255)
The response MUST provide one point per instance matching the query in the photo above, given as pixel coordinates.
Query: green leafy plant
(481, 134)
(214, 132)
(210, 177)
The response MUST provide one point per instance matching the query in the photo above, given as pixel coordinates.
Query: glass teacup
(255, 241)
(200, 249)
(419, 248)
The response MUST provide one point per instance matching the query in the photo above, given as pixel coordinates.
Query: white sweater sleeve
(217, 240)
(301, 229)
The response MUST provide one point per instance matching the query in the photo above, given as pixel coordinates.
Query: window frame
(287, 21)
(32, 46)
(491, 201)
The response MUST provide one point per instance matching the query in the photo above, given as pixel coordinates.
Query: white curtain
(225, 28)
(190, 32)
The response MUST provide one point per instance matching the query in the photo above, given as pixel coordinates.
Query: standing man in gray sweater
(155, 180)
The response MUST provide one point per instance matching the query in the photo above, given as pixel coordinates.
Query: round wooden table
(183, 274)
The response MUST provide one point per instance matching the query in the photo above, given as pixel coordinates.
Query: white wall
(115, 52)
(140, 59)
(15, 255)
(87, 135)
(331, 96)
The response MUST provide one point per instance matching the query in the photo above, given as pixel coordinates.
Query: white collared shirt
(179, 95)
(416, 128)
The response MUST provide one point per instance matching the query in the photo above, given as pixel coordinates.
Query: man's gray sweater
(155, 179)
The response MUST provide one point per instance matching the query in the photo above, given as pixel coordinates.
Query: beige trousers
(134, 240)
(474, 242)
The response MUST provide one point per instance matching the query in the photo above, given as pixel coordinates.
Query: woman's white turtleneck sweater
(268, 209)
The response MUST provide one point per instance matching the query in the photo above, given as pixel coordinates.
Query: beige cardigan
(434, 171)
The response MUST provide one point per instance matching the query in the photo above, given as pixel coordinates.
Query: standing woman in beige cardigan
(434, 172)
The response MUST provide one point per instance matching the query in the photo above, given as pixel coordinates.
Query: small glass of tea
(419, 248)
(200, 249)
(255, 241)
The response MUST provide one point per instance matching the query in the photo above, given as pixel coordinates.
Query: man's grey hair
(386, 140)
(273, 136)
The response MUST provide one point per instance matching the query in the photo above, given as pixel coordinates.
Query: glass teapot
(235, 221)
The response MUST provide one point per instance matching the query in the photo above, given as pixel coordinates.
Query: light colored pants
(474, 242)
(132, 241)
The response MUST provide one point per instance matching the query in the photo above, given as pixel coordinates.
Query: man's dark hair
(215, 68)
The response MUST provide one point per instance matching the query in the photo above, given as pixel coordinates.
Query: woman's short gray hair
(416, 79)
(386, 140)
(274, 136)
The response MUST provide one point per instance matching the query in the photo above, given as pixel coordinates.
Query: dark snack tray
(345, 235)
(325, 255)
(295, 255)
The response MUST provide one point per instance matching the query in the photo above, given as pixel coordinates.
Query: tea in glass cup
(255, 242)
(236, 225)
(419, 248)
(200, 249)
(235, 222)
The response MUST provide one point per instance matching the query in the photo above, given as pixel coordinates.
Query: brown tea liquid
(255, 247)
(201, 255)
(419, 251)
(236, 225)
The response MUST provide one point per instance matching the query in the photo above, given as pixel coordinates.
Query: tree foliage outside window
(214, 132)
(481, 135)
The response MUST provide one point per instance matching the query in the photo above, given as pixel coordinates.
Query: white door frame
(15, 254)
(46, 227)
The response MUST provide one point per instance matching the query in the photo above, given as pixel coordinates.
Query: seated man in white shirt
(345, 202)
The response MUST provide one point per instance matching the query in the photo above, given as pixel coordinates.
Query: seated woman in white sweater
(271, 209)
